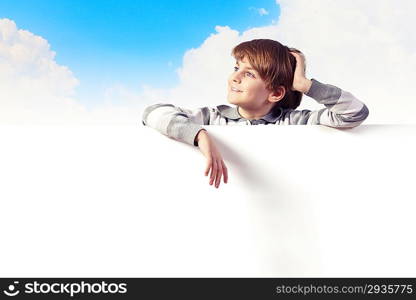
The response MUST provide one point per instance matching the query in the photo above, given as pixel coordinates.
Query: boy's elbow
(362, 114)
(149, 109)
(356, 119)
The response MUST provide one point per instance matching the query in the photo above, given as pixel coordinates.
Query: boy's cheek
(231, 98)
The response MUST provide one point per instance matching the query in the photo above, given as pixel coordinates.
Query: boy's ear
(277, 95)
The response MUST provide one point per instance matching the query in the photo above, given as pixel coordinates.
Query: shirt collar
(232, 113)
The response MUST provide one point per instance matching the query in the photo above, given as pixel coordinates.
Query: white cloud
(263, 12)
(366, 48)
(260, 11)
(32, 85)
(35, 89)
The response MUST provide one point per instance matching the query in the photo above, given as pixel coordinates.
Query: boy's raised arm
(175, 122)
(342, 109)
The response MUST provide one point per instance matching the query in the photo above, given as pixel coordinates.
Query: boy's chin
(232, 101)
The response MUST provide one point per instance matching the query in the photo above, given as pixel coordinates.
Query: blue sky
(130, 42)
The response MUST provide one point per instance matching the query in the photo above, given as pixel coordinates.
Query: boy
(266, 86)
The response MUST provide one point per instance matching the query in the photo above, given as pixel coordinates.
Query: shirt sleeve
(342, 109)
(176, 122)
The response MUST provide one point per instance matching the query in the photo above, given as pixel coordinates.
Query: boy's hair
(275, 65)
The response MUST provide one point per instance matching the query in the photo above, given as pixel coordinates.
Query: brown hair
(275, 65)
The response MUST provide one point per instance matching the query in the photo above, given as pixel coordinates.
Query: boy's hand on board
(215, 162)
(300, 82)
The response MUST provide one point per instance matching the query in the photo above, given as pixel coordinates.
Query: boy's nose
(236, 78)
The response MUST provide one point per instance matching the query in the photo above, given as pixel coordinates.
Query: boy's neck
(253, 115)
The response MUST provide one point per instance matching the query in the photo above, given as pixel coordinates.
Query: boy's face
(252, 92)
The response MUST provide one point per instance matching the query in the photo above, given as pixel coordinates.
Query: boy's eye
(251, 75)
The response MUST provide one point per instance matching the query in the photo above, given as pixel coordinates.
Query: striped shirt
(342, 109)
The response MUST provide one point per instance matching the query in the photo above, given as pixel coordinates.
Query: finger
(219, 174)
(299, 56)
(225, 171)
(213, 172)
(296, 55)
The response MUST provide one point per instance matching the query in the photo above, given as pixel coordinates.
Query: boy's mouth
(233, 89)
